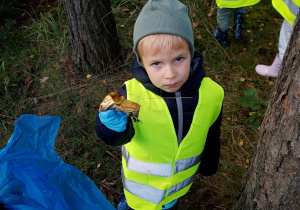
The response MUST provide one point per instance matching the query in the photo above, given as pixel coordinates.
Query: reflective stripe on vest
(181, 185)
(143, 191)
(155, 169)
(185, 164)
(150, 193)
(287, 8)
(158, 169)
(235, 3)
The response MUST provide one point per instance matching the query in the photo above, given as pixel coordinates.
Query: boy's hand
(114, 120)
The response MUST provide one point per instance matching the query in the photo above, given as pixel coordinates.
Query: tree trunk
(273, 177)
(94, 40)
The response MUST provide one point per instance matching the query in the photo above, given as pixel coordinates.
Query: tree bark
(273, 177)
(93, 34)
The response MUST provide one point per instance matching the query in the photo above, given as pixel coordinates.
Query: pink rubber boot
(270, 71)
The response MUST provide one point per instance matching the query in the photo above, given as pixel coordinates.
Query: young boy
(178, 132)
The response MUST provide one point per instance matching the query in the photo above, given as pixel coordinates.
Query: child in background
(288, 9)
(225, 8)
(178, 132)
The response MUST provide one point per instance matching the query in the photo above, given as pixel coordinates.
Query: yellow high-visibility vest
(287, 8)
(156, 170)
(235, 3)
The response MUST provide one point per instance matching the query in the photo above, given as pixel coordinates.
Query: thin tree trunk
(94, 40)
(273, 177)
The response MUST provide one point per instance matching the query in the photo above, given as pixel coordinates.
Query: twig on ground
(111, 154)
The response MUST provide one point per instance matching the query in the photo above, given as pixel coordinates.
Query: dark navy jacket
(189, 94)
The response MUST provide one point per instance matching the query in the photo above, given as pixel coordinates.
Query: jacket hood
(191, 86)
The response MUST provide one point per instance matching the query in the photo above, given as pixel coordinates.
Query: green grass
(42, 49)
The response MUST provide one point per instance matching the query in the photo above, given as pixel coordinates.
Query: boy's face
(168, 69)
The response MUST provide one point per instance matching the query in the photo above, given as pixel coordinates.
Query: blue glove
(114, 120)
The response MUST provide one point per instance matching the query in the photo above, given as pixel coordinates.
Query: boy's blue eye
(156, 64)
(178, 59)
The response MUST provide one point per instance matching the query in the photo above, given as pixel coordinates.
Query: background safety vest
(287, 8)
(236, 3)
(156, 170)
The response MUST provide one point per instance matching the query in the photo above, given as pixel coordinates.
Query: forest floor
(38, 48)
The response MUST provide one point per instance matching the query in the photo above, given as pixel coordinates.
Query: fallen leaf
(248, 31)
(252, 113)
(122, 26)
(88, 76)
(250, 85)
(44, 79)
(199, 37)
(247, 161)
(82, 85)
(224, 174)
(125, 10)
(242, 79)
(86, 155)
(212, 9)
(78, 110)
(271, 83)
(83, 137)
(241, 143)
(270, 43)
(195, 24)
(216, 76)
(28, 80)
(31, 56)
(98, 165)
(244, 49)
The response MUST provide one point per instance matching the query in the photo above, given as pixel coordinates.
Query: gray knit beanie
(163, 17)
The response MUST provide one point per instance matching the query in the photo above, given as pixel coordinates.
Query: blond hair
(156, 42)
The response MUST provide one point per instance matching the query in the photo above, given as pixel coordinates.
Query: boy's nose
(169, 72)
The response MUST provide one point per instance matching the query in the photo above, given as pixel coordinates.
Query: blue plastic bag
(33, 176)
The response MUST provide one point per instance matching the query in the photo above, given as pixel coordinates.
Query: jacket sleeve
(211, 152)
(112, 137)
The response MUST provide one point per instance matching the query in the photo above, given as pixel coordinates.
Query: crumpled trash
(116, 101)
(33, 176)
